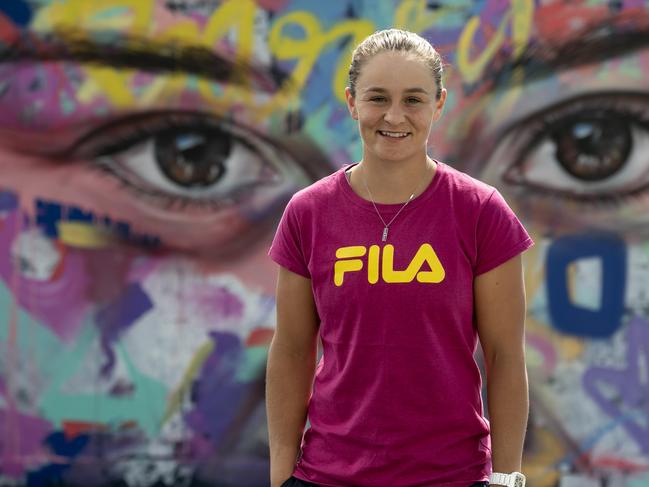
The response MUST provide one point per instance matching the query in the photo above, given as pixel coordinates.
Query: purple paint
(22, 438)
(118, 316)
(8, 201)
(219, 302)
(60, 303)
(632, 393)
(216, 395)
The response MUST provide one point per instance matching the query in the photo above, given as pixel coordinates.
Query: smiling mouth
(394, 135)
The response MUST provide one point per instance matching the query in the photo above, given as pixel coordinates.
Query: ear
(439, 105)
(351, 103)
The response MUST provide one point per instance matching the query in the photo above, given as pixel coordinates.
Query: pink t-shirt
(396, 398)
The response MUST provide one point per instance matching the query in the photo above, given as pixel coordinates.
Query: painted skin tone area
(141, 195)
(129, 283)
(564, 139)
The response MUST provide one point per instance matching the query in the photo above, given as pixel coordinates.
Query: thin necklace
(386, 226)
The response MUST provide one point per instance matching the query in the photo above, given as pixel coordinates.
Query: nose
(394, 114)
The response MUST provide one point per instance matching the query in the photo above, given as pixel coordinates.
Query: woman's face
(395, 106)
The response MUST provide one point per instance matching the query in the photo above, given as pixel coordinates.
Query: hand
(280, 483)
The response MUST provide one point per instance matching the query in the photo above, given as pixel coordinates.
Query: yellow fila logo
(348, 261)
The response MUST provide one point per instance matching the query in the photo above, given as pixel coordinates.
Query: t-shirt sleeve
(500, 235)
(286, 248)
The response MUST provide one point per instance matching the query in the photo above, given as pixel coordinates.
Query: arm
(500, 312)
(290, 372)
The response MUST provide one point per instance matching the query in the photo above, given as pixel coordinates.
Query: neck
(392, 182)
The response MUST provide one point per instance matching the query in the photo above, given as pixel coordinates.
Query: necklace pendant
(385, 234)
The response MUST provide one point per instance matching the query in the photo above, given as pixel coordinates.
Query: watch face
(519, 480)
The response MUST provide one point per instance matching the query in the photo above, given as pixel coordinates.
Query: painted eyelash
(552, 116)
(175, 202)
(620, 105)
(139, 130)
(101, 141)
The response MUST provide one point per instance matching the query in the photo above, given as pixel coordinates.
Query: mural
(148, 147)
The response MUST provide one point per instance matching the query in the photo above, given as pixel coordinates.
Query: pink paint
(615, 463)
(557, 22)
(272, 5)
(545, 348)
(260, 337)
(59, 304)
(219, 302)
(22, 442)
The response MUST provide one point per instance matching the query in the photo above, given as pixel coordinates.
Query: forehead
(394, 69)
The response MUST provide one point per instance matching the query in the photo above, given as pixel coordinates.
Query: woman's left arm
(499, 296)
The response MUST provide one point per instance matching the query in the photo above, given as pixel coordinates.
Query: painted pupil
(593, 147)
(192, 159)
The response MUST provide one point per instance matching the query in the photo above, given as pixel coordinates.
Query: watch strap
(514, 479)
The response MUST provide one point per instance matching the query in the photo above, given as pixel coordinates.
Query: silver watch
(514, 479)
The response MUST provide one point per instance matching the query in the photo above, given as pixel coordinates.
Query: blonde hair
(396, 40)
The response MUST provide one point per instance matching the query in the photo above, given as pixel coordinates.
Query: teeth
(393, 134)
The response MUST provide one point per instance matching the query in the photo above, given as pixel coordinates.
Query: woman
(399, 263)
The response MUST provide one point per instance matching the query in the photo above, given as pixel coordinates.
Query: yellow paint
(176, 397)
(70, 14)
(307, 50)
(541, 458)
(513, 92)
(111, 83)
(568, 348)
(239, 16)
(571, 282)
(83, 235)
(415, 16)
(520, 16)
(534, 265)
(88, 91)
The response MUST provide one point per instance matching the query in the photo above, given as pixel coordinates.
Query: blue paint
(118, 316)
(8, 201)
(52, 474)
(122, 229)
(575, 320)
(48, 215)
(17, 10)
(78, 215)
(623, 393)
(213, 414)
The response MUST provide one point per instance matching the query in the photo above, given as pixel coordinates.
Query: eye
(378, 99)
(592, 148)
(411, 100)
(179, 160)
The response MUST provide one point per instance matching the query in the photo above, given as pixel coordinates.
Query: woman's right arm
(290, 372)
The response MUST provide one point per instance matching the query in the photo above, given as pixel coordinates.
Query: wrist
(513, 479)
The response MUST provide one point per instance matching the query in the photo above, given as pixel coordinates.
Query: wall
(147, 149)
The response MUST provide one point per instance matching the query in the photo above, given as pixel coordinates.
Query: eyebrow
(407, 90)
(598, 44)
(126, 51)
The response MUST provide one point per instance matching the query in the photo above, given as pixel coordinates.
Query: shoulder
(465, 189)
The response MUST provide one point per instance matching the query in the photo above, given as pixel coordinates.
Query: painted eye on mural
(182, 159)
(592, 148)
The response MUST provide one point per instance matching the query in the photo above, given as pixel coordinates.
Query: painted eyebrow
(598, 44)
(144, 54)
